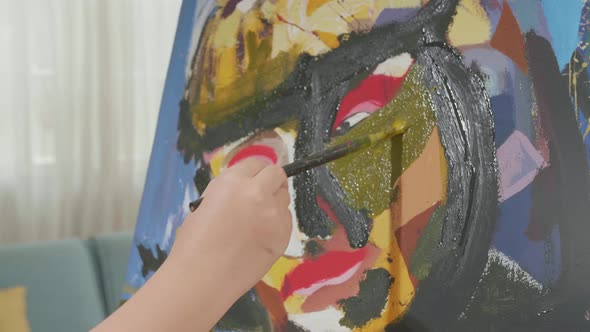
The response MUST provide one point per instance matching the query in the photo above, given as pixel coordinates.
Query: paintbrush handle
(318, 159)
(195, 204)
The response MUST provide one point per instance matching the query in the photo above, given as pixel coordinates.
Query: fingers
(271, 178)
(249, 167)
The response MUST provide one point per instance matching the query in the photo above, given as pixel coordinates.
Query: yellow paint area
(330, 39)
(471, 25)
(402, 290)
(226, 31)
(312, 5)
(294, 303)
(227, 69)
(270, 38)
(276, 275)
(216, 163)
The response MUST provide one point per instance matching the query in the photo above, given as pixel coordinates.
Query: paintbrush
(336, 152)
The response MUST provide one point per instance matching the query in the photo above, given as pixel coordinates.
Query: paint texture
(474, 218)
(370, 300)
(367, 176)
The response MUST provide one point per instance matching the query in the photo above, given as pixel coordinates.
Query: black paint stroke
(246, 314)
(370, 301)
(149, 261)
(465, 123)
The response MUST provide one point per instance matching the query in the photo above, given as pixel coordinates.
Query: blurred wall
(80, 88)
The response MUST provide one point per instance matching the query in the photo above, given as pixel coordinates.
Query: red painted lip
(313, 271)
(254, 151)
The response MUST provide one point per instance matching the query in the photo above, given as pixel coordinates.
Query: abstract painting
(476, 218)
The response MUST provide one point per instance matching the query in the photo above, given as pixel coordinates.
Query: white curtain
(80, 88)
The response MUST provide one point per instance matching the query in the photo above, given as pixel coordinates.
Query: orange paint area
(508, 38)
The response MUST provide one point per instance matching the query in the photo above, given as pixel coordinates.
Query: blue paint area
(542, 260)
(563, 18)
(168, 178)
(527, 14)
(504, 120)
(398, 15)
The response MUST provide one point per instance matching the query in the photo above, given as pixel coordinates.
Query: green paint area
(421, 260)
(367, 176)
(247, 314)
(504, 299)
(369, 302)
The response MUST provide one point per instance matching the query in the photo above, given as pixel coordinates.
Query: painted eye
(350, 122)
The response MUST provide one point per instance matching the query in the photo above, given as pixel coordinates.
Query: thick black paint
(202, 178)
(466, 129)
(370, 301)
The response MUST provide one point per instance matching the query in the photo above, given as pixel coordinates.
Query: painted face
(323, 275)
(365, 225)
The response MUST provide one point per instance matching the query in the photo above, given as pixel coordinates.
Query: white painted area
(320, 321)
(297, 239)
(356, 118)
(328, 282)
(397, 66)
(514, 268)
(245, 5)
(168, 231)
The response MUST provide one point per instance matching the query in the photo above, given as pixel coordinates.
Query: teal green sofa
(71, 284)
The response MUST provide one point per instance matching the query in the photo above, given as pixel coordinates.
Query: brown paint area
(421, 185)
(273, 303)
(508, 38)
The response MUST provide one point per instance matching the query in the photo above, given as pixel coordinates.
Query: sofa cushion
(13, 310)
(112, 252)
(60, 277)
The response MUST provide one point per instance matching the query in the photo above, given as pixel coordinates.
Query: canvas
(476, 218)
